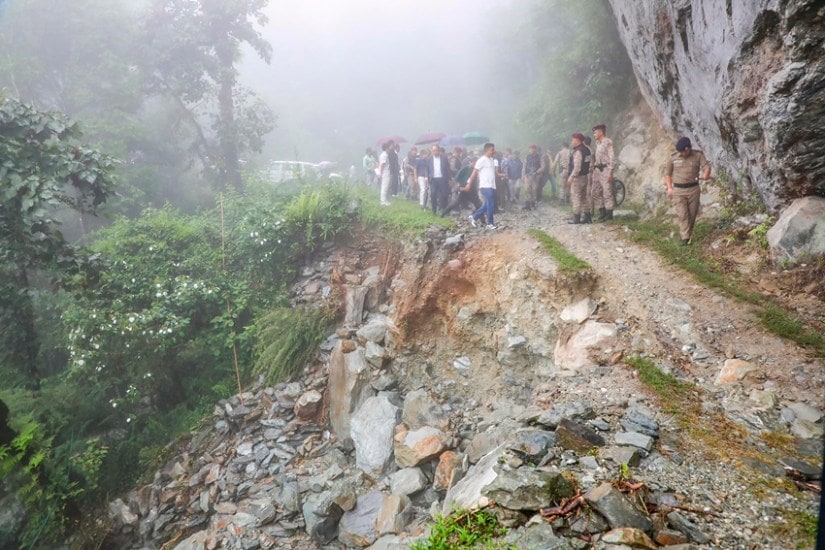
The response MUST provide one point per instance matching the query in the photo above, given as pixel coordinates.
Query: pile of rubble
(354, 454)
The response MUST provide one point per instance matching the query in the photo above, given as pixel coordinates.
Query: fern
(287, 339)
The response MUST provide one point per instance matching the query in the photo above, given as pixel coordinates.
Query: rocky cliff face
(745, 79)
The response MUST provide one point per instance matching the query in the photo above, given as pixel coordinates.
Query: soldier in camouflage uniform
(604, 162)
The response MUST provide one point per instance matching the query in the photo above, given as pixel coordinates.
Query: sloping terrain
(469, 363)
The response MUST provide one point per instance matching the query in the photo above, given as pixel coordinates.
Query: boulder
(376, 329)
(734, 371)
(529, 489)
(681, 523)
(394, 515)
(358, 526)
(309, 405)
(532, 444)
(538, 535)
(349, 386)
(575, 410)
(800, 230)
(634, 439)
(375, 355)
(372, 429)
(577, 437)
(450, 469)
(574, 353)
(579, 312)
(629, 536)
(412, 447)
(321, 517)
(421, 410)
(466, 494)
(354, 304)
(408, 481)
(616, 508)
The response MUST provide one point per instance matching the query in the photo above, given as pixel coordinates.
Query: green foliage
(738, 197)
(43, 167)
(400, 218)
(463, 530)
(667, 386)
(568, 263)
(799, 527)
(583, 73)
(286, 338)
(759, 234)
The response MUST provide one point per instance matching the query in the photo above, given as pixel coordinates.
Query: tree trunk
(227, 132)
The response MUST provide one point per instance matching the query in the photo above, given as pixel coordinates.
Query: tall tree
(43, 167)
(195, 46)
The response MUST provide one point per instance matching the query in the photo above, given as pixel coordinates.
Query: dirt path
(693, 328)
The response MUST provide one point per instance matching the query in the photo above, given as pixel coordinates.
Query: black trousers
(462, 199)
(439, 193)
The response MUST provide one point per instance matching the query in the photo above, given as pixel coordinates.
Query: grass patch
(706, 271)
(568, 263)
(401, 218)
(463, 530)
(667, 386)
(784, 324)
(799, 527)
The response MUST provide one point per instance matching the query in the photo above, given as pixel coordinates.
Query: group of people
(489, 181)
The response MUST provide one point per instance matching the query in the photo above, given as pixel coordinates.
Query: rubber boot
(609, 215)
(602, 215)
(576, 219)
(587, 218)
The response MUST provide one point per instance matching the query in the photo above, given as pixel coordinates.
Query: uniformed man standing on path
(604, 162)
(684, 170)
(578, 176)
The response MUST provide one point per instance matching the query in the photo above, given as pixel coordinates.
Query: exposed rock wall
(745, 79)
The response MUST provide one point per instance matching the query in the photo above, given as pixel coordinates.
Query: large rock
(408, 481)
(616, 508)
(574, 353)
(372, 429)
(358, 527)
(395, 513)
(376, 329)
(450, 469)
(466, 494)
(529, 489)
(412, 447)
(734, 371)
(537, 536)
(577, 437)
(579, 312)
(421, 410)
(800, 230)
(354, 303)
(349, 386)
(309, 405)
(631, 537)
(743, 78)
(321, 516)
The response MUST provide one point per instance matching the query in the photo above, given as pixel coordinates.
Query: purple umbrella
(430, 137)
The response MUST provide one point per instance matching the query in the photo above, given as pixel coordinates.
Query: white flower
(128, 419)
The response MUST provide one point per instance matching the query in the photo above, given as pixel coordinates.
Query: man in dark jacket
(440, 176)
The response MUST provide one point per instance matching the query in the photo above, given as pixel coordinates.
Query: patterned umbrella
(475, 138)
(430, 137)
(451, 141)
(385, 139)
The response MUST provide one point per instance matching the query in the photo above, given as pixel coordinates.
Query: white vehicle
(284, 171)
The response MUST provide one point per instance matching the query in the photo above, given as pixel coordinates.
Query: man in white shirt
(485, 169)
(385, 171)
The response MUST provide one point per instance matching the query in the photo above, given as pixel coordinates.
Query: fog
(344, 74)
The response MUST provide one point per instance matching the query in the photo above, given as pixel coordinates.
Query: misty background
(344, 74)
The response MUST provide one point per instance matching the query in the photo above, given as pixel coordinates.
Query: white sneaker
(491, 226)
(473, 221)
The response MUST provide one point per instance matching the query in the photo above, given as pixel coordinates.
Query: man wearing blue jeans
(485, 170)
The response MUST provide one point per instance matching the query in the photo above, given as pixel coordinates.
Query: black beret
(682, 144)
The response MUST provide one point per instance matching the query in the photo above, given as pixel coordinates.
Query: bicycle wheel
(618, 191)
